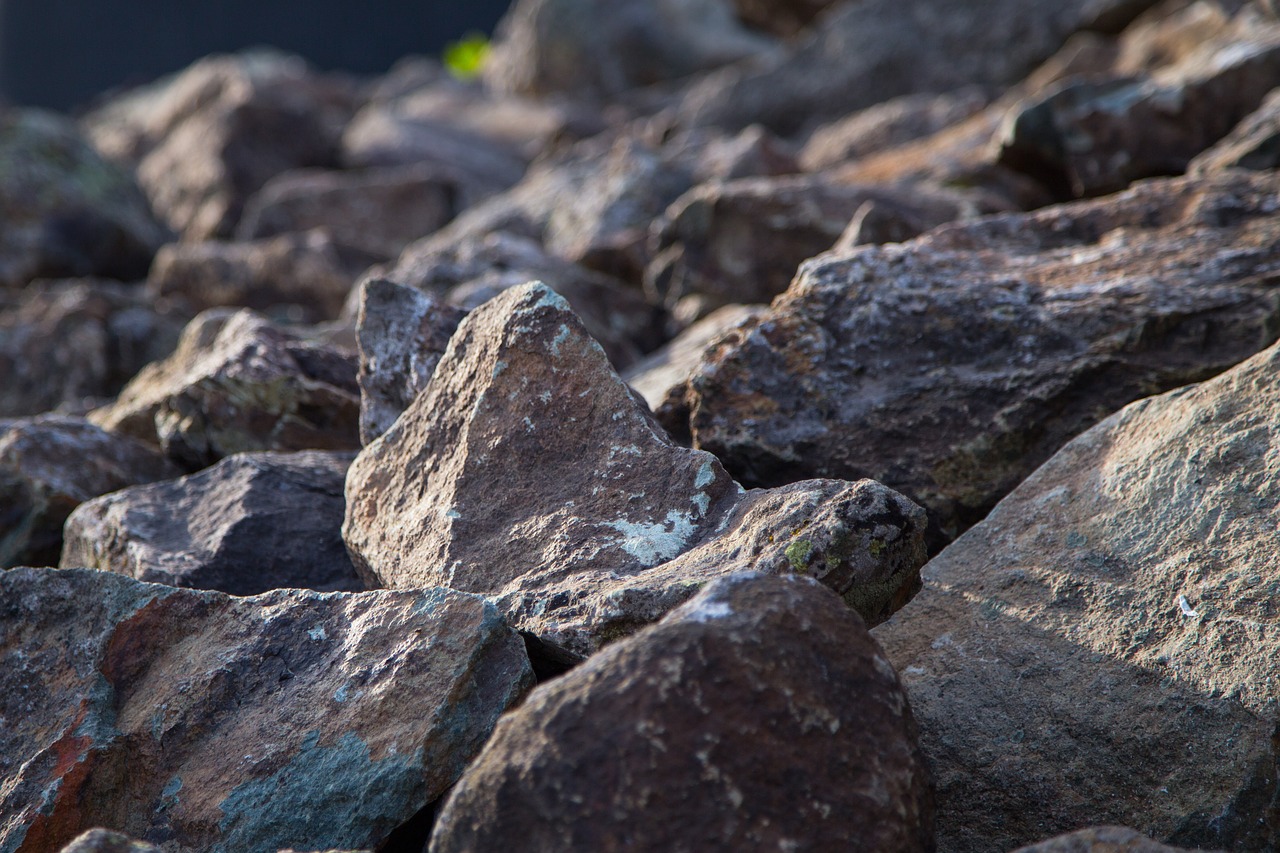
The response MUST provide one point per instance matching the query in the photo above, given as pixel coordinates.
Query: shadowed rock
(1252, 144)
(1100, 839)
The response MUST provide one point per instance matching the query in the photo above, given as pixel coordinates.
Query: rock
(1254, 143)
(106, 841)
(401, 332)
(303, 276)
(67, 212)
(378, 211)
(950, 367)
(252, 523)
(780, 17)
(1113, 620)
(71, 344)
(528, 471)
(591, 48)
(238, 383)
(759, 716)
(206, 721)
(1090, 137)
(49, 465)
(1099, 839)
(709, 155)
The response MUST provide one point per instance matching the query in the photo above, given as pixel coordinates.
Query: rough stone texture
(528, 471)
(870, 51)
(401, 333)
(1105, 642)
(950, 367)
(1091, 137)
(711, 155)
(106, 841)
(377, 211)
(1100, 839)
(67, 212)
(304, 276)
(759, 716)
(252, 523)
(50, 464)
(1254, 143)
(602, 48)
(780, 17)
(202, 720)
(238, 383)
(72, 344)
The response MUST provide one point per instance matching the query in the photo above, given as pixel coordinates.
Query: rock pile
(746, 425)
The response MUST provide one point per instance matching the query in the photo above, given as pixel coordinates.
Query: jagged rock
(528, 471)
(238, 383)
(709, 155)
(1100, 839)
(72, 344)
(106, 841)
(1254, 143)
(50, 464)
(780, 17)
(1104, 643)
(597, 48)
(759, 716)
(305, 276)
(203, 720)
(950, 367)
(252, 523)
(1094, 137)
(67, 212)
(401, 333)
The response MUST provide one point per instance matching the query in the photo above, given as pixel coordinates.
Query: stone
(950, 367)
(106, 841)
(206, 721)
(759, 716)
(401, 333)
(252, 523)
(1099, 839)
(597, 49)
(527, 471)
(1114, 620)
(377, 211)
(781, 17)
(1254, 143)
(1094, 137)
(709, 155)
(67, 211)
(48, 466)
(304, 277)
(71, 345)
(238, 383)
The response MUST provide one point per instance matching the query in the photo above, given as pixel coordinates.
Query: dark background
(60, 53)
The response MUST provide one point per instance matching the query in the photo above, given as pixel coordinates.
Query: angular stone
(238, 383)
(950, 367)
(759, 716)
(1114, 620)
(49, 465)
(202, 720)
(528, 471)
(1254, 143)
(1100, 839)
(709, 155)
(67, 212)
(252, 523)
(106, 841)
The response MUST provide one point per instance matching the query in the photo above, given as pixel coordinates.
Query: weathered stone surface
(950, 367)
(1254, 143)
(303, 276)
(528, 471)
(780, 17)
(252, 523)
(48, 465)
(1100, 839)
(67, 212)
(202, 720)
(106, 841)
(238, 383)
(710, 155)
(1105, 642)
(72, 344)
(598, 48)
(1091, 137)
(759, 716)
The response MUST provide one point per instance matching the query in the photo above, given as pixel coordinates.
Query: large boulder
(1105, 644)
(205, 721)
(759, 716)
(526, 470)
(252, 523)
(950, 367)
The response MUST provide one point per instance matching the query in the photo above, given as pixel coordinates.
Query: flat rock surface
(201, 720)
(1105, 643)
(254, 522)
(758, 716)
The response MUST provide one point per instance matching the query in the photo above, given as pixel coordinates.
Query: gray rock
(1099, 839)
(252, 523)
(207, 721)
(1104, 643)
(1254, 143)
(759, 716)
(106, 841)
